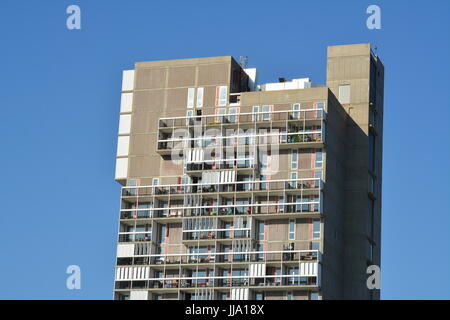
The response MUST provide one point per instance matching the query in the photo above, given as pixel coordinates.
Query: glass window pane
(190, 98)
(199, 103)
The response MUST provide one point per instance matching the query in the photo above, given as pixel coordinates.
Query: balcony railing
(221, 164)
(135, 236)
(237, 186)
(284, 138)
(295, 275)
(282, 115)
(307, 189)
(229, 234)
(304, 207)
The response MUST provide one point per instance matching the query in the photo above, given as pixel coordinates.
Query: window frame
(314, 232)
(255, 114)
(221, 96)
(199, 99)
(318, 164)
(294, 162)
(190, 98)
(296, 115)
(291, 233)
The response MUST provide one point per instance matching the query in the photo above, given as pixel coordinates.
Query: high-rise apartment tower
(232, 189)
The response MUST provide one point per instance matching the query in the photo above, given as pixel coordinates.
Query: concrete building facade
(237, 190)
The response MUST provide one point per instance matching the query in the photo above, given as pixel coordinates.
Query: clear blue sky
(60, 94)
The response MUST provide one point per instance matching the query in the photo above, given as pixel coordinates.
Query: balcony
(307, 191)
(221, 187)
(310, 115)
(217, 234)
(290, 268)
(284, 139)
(244, 165)
(135, 237)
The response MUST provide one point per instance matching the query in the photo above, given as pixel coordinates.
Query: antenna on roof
(243, 61)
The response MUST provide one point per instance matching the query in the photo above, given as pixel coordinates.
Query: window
(263, 184)
(255, 111)
(294, 159)
(283, 136)
(317, 175)
(292, 229)
(260, 248)
(370, 218)
(319, 105)
(190, 97)
(293, 182)
(373, 82)
(199, 103)
(315, 245)
(318, 163)
(189, 115)
(232, 111)
(259, 296)
(314, 296)
(155, 181)
(133, 183)
(371, 152)
(290, 296)
(220, 112)
(162, 235)
(293, 271)
(266, 112)
(281, 204)
(221, 96)
(372, 118)
(260, 230)
(264, 163)
(316, 229)
(344, 94)
(295, 107)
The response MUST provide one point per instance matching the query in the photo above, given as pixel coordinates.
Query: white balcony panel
(121, 168)
(138, 295)
(308, 269)
(123, 144)
(127, 80)
(239, 294)
(211, 177)
(126, 102)
(195, 155)
(132, 273)
(125, 250)
(257, 269)
(125, 124)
